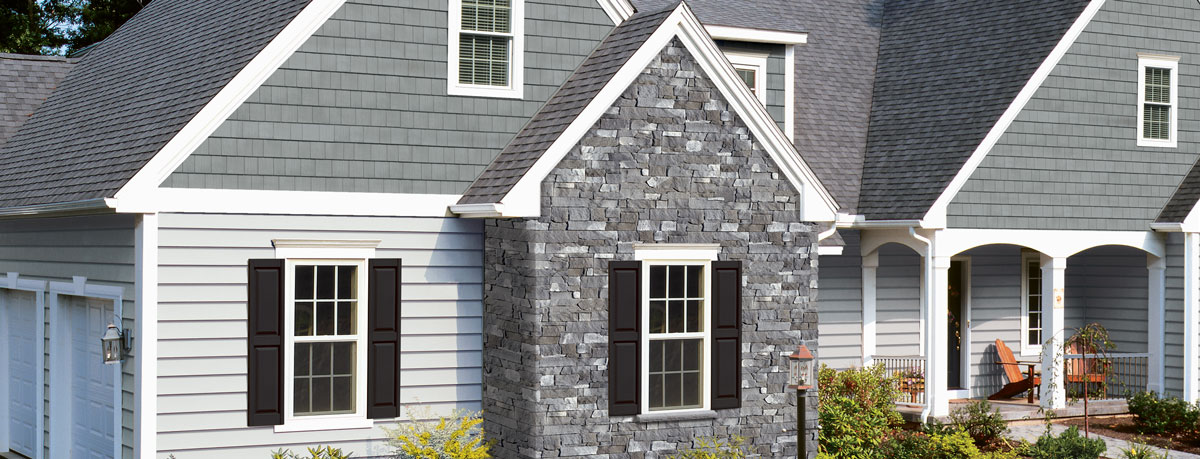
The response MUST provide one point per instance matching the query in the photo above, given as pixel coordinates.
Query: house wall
(839, 305)
(898, 301)
(1070, 159)
(1173, 339)
(363, 105)
(202, 324)
(699, 179)
(99, 247)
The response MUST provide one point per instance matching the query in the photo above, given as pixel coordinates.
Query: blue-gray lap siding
(1070, 160)
(363, 106)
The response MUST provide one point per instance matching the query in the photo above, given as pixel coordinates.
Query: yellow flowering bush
(455, 437)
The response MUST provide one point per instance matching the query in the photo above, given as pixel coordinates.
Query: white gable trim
(617, 10)
(936, 216)
(240, 88)
(777, 37)
(523, 200)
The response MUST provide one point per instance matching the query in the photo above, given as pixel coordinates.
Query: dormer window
(752, 68)
(1157, 100)
(486, 47)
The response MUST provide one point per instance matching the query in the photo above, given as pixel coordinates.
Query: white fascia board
(860, 221)
(936, 215)
(1168, 227)
(199, 200)
(1053, 243)
(818, 204)
(777, 37)
(617, 10)
(240, 88)
(1191, 223)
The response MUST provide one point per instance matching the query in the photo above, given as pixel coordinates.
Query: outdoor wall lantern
(115, 344)
(801, 369)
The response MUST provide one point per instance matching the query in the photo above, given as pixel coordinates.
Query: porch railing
(1110, 377)
(909, 371)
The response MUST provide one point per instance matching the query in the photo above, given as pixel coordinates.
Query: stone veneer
(670, 162)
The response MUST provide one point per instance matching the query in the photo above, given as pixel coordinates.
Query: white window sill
(679, 415)
(323, 423)
(1031, 352)
(1157, 143)
(486, 91)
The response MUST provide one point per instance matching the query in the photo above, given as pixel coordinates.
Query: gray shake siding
(55, 249)
(776, 77)
(546, 300)
(1070, 159)
(202, 324)
(839, 306)
(362, 106)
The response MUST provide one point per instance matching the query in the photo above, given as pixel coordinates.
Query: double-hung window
(486, 48)
(1031, 307)
(328, 343)
(752, 69)
(677, 342)
(1157, 100)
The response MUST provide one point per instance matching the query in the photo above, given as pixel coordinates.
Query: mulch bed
(1121, 428)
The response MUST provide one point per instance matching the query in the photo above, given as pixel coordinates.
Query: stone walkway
(1031, 431)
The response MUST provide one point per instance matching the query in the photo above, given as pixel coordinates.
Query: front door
(19, 312)
(92, 382)
(954, 303)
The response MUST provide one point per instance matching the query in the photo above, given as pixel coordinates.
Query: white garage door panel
(92, 382)
(20, 315)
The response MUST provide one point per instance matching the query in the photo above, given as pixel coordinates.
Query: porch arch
(1056, 244)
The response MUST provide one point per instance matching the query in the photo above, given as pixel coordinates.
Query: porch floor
(1019, 409)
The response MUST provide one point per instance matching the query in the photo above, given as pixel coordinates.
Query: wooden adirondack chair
(1096, 368)
(1017, 382)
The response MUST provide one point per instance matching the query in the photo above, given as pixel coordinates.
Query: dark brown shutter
(264, 398)
(383, 341)
(726, 334)
(624, 337)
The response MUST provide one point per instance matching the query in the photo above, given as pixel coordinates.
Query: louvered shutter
(726, 334)
(383, 340)
(624, 337)
(264, 398)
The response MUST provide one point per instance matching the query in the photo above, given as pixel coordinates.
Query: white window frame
(324, 253)
(516, 67)
(678, 255)
(755, 62)
(1029, 349)
(1164, 62)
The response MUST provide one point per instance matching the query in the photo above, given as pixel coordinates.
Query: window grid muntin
(498, 15)
(484, 60)
(665, 338)
(358, 286)
(312, 341)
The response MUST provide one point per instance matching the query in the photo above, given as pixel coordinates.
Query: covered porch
(936, 304)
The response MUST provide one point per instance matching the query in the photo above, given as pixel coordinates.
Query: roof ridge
(37, 57)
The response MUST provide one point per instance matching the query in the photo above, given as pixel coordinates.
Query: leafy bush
(1069, 445)
(712, 448)
(920, 445)
(456, 437)
(857, 411)
(981, 422)
(320, 452)
(1139, 450)
(1162, 415)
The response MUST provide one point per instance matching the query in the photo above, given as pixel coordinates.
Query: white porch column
(870, 263)
(1156, 328)
(1054, 275)
(937, 326)
(1191, 316)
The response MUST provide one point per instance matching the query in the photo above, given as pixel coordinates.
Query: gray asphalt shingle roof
(549, 123)
(782, 15)
(1184, 199)
(947, 70)
(130, 95)
(25, 83)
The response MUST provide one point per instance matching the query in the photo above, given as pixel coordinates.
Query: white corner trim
(646, 251)
(937, 212)
(325, 249)
(789, 92)
(617, 10)
(516, 55)
(146, 332)
(240, 88)
(200, 200)
(1158, 61)
(818, 205)
(719, 32)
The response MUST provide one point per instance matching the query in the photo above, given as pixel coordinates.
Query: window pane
(302, 397)
(325, 282)
(483, 60)
(343, 358)
(693, 281)
(656, 391)
(303, 359)
(675, 316)
(343, 393)
(321, 394)
(1156, 122)
(691, 389)
(656, 356)
(693, 316)
(345, 318)
(322, 358)
(487, 15)
(677, 364)
(304, 282)
(304, 319)
(675, 281)
(1035, 337)
(324, 318)
(748, 76)
(691, 355)
(1158, 85)
(658, 316)
(658, 282)
(672, 389)
(346, 285)
(673, 355)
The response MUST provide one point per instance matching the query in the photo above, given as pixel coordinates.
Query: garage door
(92, 429)
(20, 314)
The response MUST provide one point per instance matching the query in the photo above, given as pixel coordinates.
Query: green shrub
(1162, 415)
(857, 411)
(712, 448)
(981, 422)
(320, 452)
(1140, 450)
(920, 445)
(1069, 445)
(454, 437)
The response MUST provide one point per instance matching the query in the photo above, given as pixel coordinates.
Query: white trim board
(145, 412)
(14, 282)
(1054, 243)
(617, 10)
(523, 200)
(936, 215)
(199, 200)
(60, 382)
(228, 99)
(777, 37)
